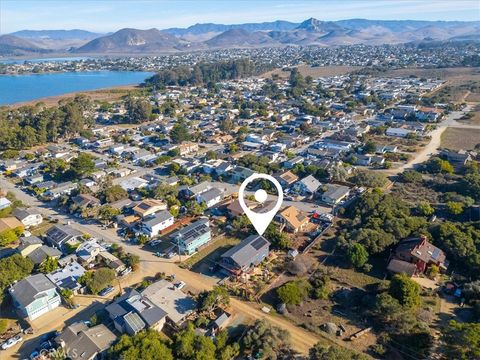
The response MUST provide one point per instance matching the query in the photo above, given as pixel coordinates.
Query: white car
(11, 342)
(180, 285)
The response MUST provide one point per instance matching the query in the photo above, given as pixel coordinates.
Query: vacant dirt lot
(315, 72)
(458, 138)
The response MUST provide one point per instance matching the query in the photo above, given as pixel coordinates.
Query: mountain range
(249, 35)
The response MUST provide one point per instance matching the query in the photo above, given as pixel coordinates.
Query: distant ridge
(216, 36)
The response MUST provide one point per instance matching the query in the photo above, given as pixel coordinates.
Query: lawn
(211, 252)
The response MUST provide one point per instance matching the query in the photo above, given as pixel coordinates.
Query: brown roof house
(293, 219)
(419, 252)
(286, 178)
(149, 207)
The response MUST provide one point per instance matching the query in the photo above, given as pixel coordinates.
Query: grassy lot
(211, 252)
(41, 229)
(458, 138)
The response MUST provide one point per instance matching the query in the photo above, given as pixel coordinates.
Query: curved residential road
(435, 142)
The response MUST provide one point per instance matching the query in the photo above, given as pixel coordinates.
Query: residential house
(65, 188)
(61, 235)
(4, 203)
(210, 197)
(420, 252)
(29, 244)
(40, 254)
(398, 132)
(173, 301)
(149, 207)
(307, 186)
(28, 217)
(286, 178)
(187, 148)
(85, 343)
(133, 312)
(34, 296)
(83, 201)
(190, 238)
(246, 255)
(241, 173)
(111, 261)
(67, 277)
(153, 224)
(289, 164)
(133, 183)
(10, 223)
(335, 194)
(235, 209)
(293, 219)
(88, 251)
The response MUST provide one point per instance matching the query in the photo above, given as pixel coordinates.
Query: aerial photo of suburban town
(240, 180)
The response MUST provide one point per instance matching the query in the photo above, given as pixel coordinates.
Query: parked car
(127, 271)
(180, 285)
(12, 342)
(106, 291)
(171, 254)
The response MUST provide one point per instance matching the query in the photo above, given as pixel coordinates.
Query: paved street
(149, 266)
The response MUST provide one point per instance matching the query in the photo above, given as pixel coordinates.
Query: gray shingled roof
(158, 218)
(40, 255)
(26, 290)
(242, 253)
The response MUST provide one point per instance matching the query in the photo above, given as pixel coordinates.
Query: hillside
(132, 41)
(14, 46)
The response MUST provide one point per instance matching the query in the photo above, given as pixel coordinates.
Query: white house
(28, 217)
(4, 203)
(154, 224)
(211, 197)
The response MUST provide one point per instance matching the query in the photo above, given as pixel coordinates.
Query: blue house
(193, 236)
(34, 296)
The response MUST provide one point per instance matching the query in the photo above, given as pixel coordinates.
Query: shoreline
(54, 100)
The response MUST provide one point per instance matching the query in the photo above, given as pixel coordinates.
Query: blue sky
(105, 16)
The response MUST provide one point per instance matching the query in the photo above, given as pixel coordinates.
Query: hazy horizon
(145, 14)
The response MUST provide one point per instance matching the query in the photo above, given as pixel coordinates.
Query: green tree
(7, 237)
(50, 264)
(82, 165)
(179, 133)
(425, 209)
(138, 110)
(462, 340)
(277, 238)
(333, 352)
(114, 193)
(3, 326)
(370, 147)
(208, 300)
(147, 344)
(357, 255)
(294, 292)
(107, 213)
(411, 176)
(405, 290)
(370, 179)
(454, 207)
(265, 341)
(13, 268)
(98, 280)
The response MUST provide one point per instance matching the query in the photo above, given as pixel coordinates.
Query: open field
(319, 71)
(460, 138)
(108, 94)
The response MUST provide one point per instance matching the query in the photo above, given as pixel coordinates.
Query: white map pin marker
(260, 221)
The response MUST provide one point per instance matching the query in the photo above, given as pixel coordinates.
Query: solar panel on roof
(436, 254)
(258, 243)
